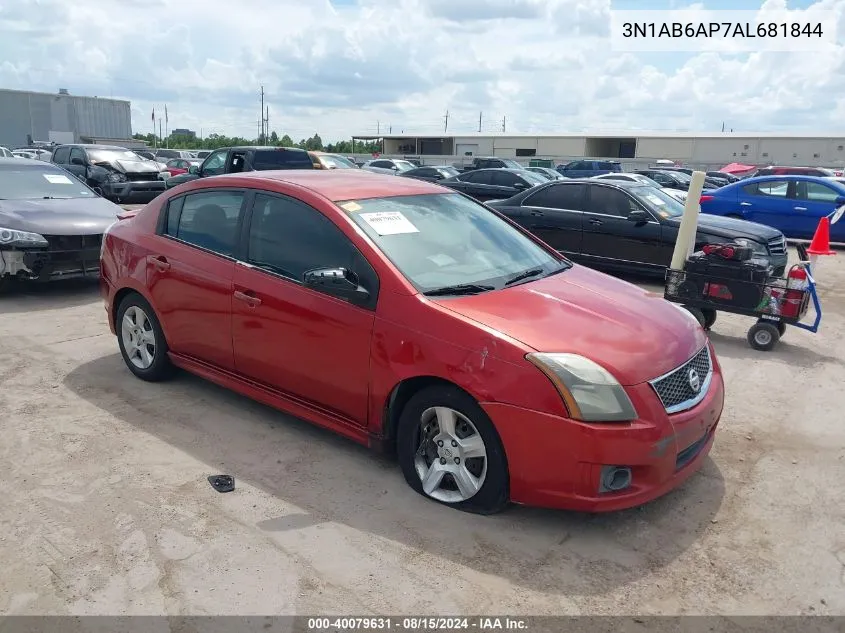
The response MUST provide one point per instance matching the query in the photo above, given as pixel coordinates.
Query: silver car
(388, 166)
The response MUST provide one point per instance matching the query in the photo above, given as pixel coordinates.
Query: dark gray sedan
(51, 223)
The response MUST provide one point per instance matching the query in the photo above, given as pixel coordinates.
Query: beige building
(694, 149)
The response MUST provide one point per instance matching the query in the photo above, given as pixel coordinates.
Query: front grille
(777, 245)
(146, 176)
(675, 389)
(65, 243)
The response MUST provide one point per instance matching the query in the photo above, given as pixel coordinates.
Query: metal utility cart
(776, 302)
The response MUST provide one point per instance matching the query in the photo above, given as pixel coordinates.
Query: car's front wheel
(450, 451)
(141, 339)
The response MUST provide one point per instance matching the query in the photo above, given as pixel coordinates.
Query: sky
(344, 67)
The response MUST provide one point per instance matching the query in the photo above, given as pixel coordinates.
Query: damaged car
(51, 223)
(114, 172)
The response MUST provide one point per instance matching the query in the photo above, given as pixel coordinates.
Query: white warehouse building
(632, 148)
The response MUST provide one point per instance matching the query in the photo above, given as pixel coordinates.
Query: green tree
(274, 138)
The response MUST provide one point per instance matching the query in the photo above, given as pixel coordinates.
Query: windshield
(448, 172)
(531, 177)
(32, 182)
(404, 165)
(108, 155)
(682, 177)
(442, 240)
(511, 164)
(658, 201)
(336, 162)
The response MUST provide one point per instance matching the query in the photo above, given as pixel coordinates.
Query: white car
(675, 193)
(388, 166)
(5, 153)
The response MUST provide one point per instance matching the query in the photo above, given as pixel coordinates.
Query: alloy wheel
(139, 340)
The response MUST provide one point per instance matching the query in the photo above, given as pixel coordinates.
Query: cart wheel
(781, 328)
(709, 317)
(763, 336)
(698, 314)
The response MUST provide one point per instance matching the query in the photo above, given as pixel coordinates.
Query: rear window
(281, 159)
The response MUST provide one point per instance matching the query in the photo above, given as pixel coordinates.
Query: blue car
(792, 204)
(588, 168)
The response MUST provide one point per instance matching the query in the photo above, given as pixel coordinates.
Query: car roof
(343, 184)
(27, 162)
(796, 177)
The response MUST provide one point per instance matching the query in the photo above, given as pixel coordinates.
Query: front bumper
(556, 462)
(66, 257)
(144, 190)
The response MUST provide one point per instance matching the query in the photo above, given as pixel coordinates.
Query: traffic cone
(821, 239)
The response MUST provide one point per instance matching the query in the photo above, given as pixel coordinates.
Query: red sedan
(410, 318)
(178, 166)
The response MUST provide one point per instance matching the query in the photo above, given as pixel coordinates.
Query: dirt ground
(107, 510)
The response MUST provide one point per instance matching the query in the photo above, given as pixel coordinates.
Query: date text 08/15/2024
(721, 29)
(421, 623)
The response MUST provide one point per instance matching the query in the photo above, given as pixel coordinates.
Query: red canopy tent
(737, 169)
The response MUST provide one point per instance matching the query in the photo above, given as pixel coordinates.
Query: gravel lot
(107, 509)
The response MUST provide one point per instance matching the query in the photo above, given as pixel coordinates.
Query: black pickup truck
(490, 162)
(231, 160)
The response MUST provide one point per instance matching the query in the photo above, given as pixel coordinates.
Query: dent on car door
(290, 336)
(189, 273)
(555, 213)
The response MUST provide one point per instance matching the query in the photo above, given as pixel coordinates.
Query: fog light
(614, 478)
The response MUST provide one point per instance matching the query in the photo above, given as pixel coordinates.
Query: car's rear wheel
(449, 451)
(141, 339)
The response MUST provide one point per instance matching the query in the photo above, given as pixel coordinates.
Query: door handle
(248, 298)
(161, 263)
(800, 208)
(596, 222)
(745, 204)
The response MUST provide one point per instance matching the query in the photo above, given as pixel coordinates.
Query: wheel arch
(124, 292)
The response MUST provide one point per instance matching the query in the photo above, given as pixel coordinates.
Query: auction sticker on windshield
(58, 179)
(389, 223)
(655, 199)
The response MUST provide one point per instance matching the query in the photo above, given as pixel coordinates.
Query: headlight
(164, 175)
(590, 392)
(756, 247)
(116, 177)
(21, 239)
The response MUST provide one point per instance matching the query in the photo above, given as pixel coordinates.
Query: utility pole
(261, 116)
(390, 130)
(446, 125)
(723, 126)
(378, 128)
(267, 122)
(504, 119)
(479, 121)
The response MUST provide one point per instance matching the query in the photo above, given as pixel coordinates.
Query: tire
(709, 315)
(781, 328)
(763, 336)
(419, 433)
(697, 313)
(137, 309)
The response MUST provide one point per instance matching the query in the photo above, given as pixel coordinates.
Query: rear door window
(479, 177)
(769, 189)
(562, 196)
(505, 178)
(281, 159)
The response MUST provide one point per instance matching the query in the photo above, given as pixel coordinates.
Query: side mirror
(337, 282)
(638, 217)
(77, 161)
(194, 170)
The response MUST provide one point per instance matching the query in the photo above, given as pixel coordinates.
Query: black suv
(114, 172)
(231, 160)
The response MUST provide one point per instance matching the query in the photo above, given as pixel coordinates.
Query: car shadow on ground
(785, 352)
(330, 479)
(21, 296)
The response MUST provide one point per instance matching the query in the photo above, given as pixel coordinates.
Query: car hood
(635, 334)
(731, 228)
(131, 166)
(78, 216)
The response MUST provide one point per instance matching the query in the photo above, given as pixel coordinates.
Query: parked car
(164, 155)
(178, 166)
(493, 184)
(231, 160)
(548, 172)
(444, 327)
(492, 162)
(673, 179)
(161, 166)
(6, 152)
(51, 224)
(791, 204)
(203, 153)
(715, 178)
(819, 172)
(626, 226)
(325, 160)
(645, 180)
(588, 168)
(387, 166)
(19, 153)
(431, 173)
(114, 172)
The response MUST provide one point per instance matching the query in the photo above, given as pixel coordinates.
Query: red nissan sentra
(408, 317)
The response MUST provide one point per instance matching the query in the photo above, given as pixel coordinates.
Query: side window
(579, 165)
(210, 220)
(289, 237)
(214, 164)
(426, 172)
(480, 177)
(562, 196)
(171, 222)
(504, 178)
(771, 188)
(662, 179)
(61, 155)
(817, 193)
(76, 152)
(610, 201)
(383, 164)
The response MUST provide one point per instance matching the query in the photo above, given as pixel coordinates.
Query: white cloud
(339, 69)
